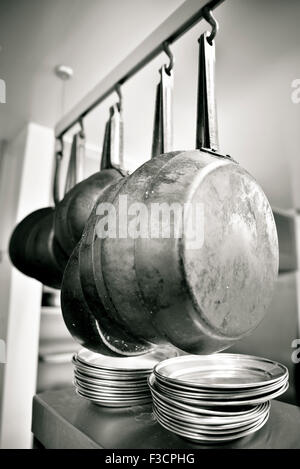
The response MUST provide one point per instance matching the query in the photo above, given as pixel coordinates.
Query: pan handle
(207, 125)
(163, 116)
(58, 158)
(113, 143)
(75, 167)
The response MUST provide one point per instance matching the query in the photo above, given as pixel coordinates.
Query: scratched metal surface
(206, 297)
(200, 298)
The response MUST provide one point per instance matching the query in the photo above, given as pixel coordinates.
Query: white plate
(142, 362)
(172, 391)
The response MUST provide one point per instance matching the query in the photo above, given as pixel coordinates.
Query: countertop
(63, 420)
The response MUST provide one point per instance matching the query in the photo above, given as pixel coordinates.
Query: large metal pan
(97, 289)
(33, 249)
(40, 253)
(74, 209)
(202, 295)
(17, 244)
(121, 282)
(85, 313)
(74, 175)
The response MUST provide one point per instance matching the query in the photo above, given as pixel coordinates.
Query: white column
(25, 184)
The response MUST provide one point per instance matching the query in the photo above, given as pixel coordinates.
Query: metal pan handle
(113, 144)
(163, 116)
(58, 158)
(105, 158)
(76, 161)
(207, 125)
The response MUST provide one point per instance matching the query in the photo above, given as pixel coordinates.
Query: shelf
(63, 420)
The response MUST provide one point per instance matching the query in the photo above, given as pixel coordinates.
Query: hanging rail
(184, 18)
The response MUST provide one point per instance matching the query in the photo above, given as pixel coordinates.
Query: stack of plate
(116, 382)
(215, 398)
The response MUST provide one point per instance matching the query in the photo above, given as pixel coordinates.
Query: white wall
(257, 59)
(91, 36)
(24, 186)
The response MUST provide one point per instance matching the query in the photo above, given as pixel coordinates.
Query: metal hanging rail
(184, 18)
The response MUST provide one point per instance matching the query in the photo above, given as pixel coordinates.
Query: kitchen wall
(257, 60)
(275, 337)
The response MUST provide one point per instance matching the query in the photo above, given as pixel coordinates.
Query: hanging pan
(32, 247)
(73, 211)
(210, 281)
(130, 311)
(83, 311)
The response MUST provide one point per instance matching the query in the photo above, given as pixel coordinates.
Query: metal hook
(209, 17)
(120, 96)
(80, 122)
(167, 50)
(58, 157)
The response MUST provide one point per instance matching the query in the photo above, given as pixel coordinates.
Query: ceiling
(91, 36)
